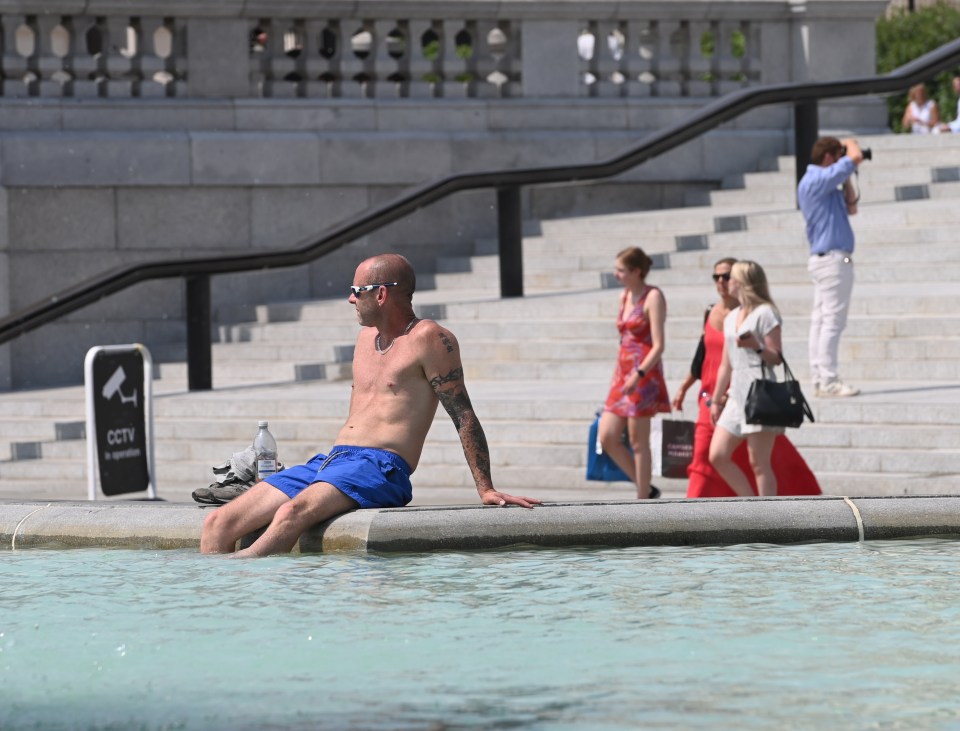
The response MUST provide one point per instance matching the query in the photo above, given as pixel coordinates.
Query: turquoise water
(829, 636)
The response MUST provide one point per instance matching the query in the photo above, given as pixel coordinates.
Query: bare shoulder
(439, 354)
(655, 302)
(432, 338)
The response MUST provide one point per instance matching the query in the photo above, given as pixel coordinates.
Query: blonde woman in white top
(921, 115)
(751, 346)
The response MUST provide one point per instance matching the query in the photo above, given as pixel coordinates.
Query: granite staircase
(538, 367)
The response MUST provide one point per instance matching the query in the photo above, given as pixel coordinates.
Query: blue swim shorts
(374, 478)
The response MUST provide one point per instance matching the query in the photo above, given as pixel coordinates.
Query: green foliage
(738, 49)
(738, 44)
(707, 44)
(904, 36)
(431, 50)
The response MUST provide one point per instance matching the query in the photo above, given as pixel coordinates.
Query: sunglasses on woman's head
(725, 277)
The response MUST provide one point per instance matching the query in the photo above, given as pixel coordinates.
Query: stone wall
(137, 131)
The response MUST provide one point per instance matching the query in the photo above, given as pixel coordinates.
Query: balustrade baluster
(493, 47)
(259, 58)
(608, 53)
(702, 66)
(48, 63)
(641, 58)
(425, 65)
(359, 55)
(286, 48)
(672, 47)
(732, 68)
(21, 56)
(314, 65)
(391, 59)
(121, 47)
(460, 54)
(86, 57)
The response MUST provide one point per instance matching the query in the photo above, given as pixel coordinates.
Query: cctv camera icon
(112, 387)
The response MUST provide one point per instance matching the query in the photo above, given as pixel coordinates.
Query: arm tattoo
(457, 405)
(455, 375)
(446, 341)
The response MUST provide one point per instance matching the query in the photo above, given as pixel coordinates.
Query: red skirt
(794, 476)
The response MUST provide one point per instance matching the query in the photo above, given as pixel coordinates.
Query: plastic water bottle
(265, 447)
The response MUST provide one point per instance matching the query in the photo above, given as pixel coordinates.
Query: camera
(867, 152)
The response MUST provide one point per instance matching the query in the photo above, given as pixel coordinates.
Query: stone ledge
(625, 523)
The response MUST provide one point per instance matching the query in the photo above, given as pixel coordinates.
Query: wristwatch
(641, 373)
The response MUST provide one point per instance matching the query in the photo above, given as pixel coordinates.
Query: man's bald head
(392, 268)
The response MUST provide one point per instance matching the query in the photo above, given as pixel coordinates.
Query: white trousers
(832, 276)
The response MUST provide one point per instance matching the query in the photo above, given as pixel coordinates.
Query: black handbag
(773, 403)
(696, 365)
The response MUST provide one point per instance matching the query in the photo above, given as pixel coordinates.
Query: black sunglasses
(725, 277)
(357, 291)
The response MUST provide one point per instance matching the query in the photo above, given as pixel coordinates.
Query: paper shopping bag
(671, 446)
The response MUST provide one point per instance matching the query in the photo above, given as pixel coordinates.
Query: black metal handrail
(508, 183)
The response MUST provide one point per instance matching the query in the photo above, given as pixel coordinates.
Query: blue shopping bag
(600, 467)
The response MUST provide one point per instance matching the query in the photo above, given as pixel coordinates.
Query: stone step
(895, 185)
(792, 270)
(443, 464)
(184, 442)
(706, 219)
(278, 350)
(575, 489)
(296, 410)
(928, 167)
(241, 371)
(786, 245)
(539, 367)
(854, 372)
(869, 299)
(603, 328)
(550, 485)
(783, 192)
(775, 255)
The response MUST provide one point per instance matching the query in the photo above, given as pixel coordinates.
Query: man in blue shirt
(827, 198)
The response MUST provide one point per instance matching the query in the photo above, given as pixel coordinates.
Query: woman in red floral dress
(638, 390)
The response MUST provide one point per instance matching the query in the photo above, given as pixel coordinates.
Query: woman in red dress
(637, 390)
(794, 476)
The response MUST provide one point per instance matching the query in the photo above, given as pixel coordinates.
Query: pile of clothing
(232, 478)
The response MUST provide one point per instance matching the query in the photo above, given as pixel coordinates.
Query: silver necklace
(405, 331)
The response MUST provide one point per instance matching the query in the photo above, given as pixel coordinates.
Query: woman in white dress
(751, 341)
(921, 115)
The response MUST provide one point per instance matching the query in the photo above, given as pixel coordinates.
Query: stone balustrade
(426, 48)
(135, 130)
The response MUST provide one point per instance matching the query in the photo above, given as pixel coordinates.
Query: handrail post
(199, 354)
(806, 129)
(510, 236)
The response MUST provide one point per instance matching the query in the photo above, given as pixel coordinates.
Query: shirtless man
(402, 368)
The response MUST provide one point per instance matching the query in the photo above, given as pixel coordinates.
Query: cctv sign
(119, 420)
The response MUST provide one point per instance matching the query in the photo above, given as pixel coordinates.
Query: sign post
(119, 394)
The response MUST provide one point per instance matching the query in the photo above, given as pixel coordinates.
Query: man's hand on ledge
(492, 497)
